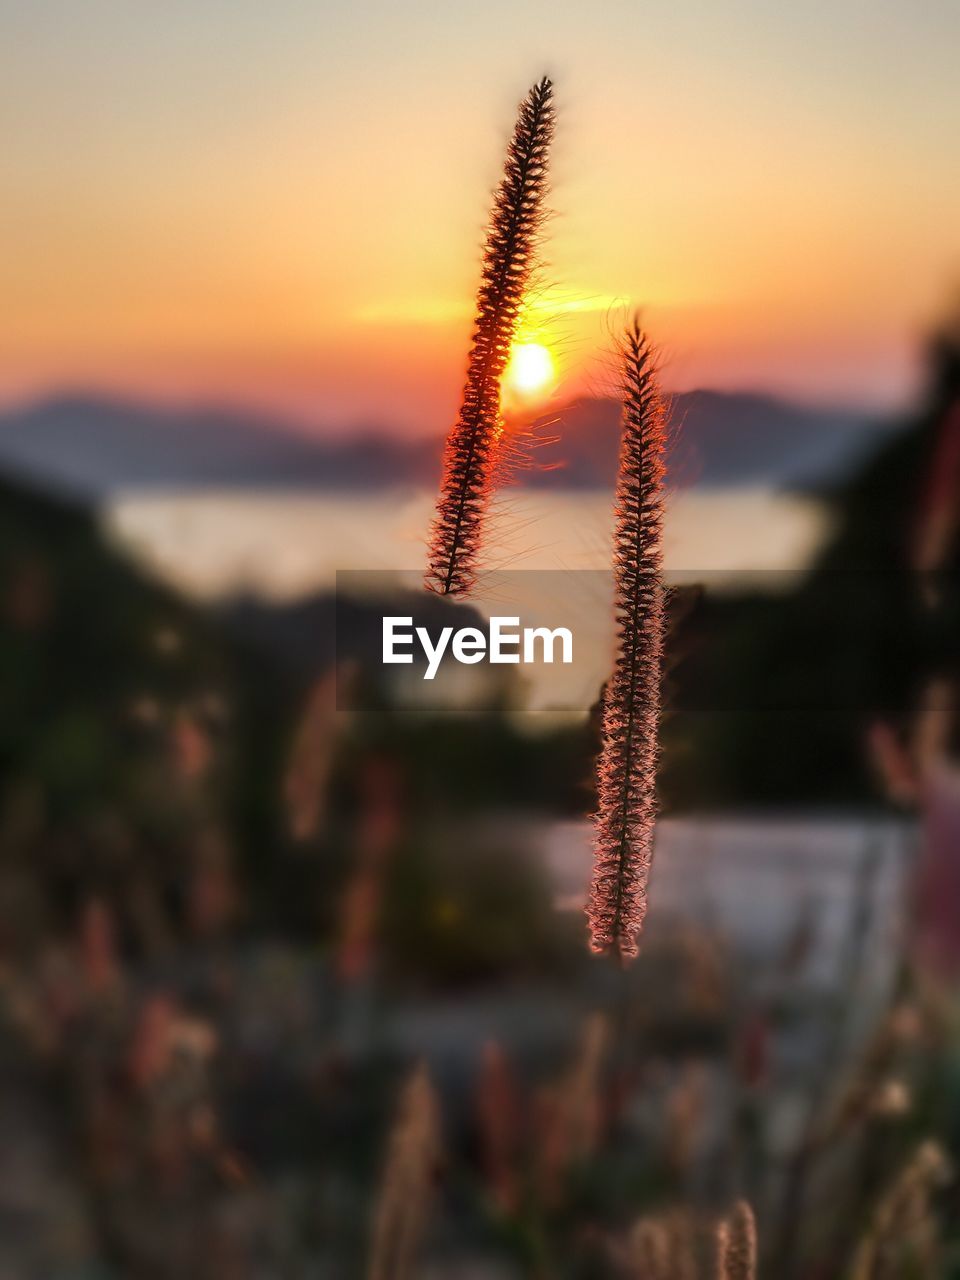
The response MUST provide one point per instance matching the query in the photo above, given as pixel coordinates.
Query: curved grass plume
(473, 446)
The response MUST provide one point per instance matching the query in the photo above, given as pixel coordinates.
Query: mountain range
(93, 446)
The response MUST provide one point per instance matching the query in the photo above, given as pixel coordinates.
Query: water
(285, 545)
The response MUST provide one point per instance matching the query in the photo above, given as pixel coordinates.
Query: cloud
(429, 311)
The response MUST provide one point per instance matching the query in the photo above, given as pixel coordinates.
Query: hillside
(93, 446)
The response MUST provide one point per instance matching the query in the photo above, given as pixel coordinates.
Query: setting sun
(531, 369)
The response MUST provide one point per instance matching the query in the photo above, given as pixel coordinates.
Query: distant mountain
(92, 447)
(716, 440)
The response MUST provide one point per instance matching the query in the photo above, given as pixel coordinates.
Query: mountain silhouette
(93, 446)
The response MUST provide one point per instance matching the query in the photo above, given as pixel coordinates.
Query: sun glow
(530, 371)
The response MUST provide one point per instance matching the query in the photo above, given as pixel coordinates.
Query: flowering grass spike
(626, 770)
(474, 448)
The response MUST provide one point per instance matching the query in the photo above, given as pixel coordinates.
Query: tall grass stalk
(737, 1245)
(902, 1236)
(627, 767)
(406, 1185)
(474, 446)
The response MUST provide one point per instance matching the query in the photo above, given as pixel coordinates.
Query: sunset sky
(280, 204)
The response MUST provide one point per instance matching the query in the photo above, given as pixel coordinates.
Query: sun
(530, 370)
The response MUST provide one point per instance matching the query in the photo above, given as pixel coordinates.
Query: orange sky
(281, 205)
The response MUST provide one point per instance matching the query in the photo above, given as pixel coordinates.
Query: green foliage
(461, 909)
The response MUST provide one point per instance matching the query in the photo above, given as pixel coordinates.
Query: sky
(280, 204)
